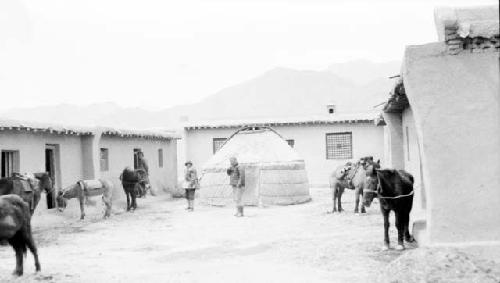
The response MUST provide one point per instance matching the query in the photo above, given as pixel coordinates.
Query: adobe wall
(121, 154)
(454, 99)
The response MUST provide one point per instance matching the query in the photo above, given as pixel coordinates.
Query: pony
(84, 189)
(394, 189)
(28, 187)
(352, 179)
(15, 228)
(132, 186)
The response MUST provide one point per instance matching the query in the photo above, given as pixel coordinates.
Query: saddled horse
(352, 179)
(394, 189)
(132, 186)
(28, 187)
(15, 227)
(84, 189)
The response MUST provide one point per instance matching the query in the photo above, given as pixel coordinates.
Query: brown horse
(353, 179)
(394, 189)
(29, 188)
(84, 189)
(15, 227)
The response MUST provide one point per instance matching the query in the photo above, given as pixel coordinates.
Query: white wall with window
(309, 140)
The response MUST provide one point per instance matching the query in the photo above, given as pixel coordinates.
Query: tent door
(252, 184)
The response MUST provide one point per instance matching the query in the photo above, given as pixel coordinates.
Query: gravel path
(161, 242)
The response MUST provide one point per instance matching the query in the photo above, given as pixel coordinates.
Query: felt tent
(274, 172)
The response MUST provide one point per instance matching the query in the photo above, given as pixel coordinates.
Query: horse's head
(61, 201)
(69, 192)
(45, 181)
(370, 185)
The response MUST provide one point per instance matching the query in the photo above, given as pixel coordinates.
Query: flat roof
(340, 118)
(28, 126)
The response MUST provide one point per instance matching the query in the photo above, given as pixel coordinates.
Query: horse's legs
(409, 238)
(127, 193)
(134, 201)
(28, 237)
(400, 226)
(385, 213)
(82, 208)
(107, 204)
(339, 199)
(17, 243)
(356, 200)
(363, 210)
(335, 196)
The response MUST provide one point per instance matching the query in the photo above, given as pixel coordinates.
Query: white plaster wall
(310, 143)
(31, 147)
(412, 164)
(121, 154)
(455, 105)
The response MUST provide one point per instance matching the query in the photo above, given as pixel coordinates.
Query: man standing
(190, 184)
(237, 181)
(142, 164)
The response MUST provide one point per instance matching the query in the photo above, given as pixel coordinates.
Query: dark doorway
(136, 158)
(50, 168)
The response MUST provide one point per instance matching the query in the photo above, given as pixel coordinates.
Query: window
(339, 145)
(160, 158)
(217, 144)
(10, 162)
(104, 159)
(291, 143)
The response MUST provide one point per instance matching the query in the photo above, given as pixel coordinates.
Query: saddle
(26, 185)
(92, 187)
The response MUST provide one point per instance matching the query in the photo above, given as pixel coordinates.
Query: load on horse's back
(28, 186)
(349, 176)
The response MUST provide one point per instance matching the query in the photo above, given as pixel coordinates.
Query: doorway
(51, 167)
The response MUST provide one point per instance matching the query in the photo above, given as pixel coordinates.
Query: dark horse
(15, 227)
(132, 182)
(27, 187)
(394, 188)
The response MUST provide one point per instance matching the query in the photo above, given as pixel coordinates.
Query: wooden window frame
(104, 167)
(215, 141)
(160, 158)
(343, 157)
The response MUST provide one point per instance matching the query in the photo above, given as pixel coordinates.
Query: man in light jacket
(190, 184)
(237, 181)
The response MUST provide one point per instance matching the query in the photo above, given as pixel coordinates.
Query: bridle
(379, 188)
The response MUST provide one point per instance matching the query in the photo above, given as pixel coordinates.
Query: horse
(131, 182)
(352, 179)
(29, 188)
(394, 189)
(84, 189)
(15, 227)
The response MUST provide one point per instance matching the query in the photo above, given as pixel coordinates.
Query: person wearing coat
(190, 184)
(237, 181)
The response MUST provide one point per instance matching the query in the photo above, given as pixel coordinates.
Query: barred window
(217, 144)
(339, 145)
(104, 159)
(291, 143)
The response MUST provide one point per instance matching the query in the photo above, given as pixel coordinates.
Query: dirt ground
(162, 242)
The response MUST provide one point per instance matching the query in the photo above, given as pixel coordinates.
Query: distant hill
(352, 86)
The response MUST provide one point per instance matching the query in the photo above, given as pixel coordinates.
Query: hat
(188, 162)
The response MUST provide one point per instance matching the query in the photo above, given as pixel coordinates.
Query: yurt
(274, 172)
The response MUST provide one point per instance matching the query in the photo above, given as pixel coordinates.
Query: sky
(156, 54)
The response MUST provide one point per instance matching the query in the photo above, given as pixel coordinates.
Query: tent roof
(249, 146)
(340, 118)
(28, 126)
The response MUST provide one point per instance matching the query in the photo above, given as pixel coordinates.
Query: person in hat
(142, 164)
(237, 181)
(190, 184)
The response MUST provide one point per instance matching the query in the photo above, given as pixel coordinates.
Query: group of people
(236, 180)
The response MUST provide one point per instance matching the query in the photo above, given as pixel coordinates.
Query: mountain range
(281, 92)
